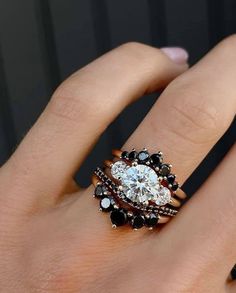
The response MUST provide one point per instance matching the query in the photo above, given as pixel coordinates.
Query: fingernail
(177, 54)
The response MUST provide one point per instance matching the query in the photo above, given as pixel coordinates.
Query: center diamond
(140, 183)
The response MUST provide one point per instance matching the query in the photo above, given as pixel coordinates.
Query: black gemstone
(175, 186)
(165, 170)
(143, 156)
(118, 217)
(137, 221)
(106, 204)
(156, 159)
(171, 178)
(100, 191)
(151, 221)
(133, 155)
(114, 187)
(125, 155)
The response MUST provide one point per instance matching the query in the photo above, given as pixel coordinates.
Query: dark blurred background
(44, 41)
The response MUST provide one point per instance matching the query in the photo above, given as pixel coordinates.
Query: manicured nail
(177, 54)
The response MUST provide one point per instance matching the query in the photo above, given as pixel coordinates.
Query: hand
(52, 237)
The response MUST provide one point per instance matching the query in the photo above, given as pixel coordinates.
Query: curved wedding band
(137, 188)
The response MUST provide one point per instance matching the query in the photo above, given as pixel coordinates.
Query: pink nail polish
(177, 54)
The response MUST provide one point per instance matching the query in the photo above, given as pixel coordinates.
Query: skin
(52, 237)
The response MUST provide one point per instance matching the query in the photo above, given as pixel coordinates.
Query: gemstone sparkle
(140, 183)
(118, 168)
(164, 196)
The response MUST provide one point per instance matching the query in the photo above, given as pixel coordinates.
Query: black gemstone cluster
(121, 216)
(155, 161)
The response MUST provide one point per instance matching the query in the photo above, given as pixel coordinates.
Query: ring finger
(193, 112)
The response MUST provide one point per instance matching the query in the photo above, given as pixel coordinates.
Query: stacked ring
(137, 188)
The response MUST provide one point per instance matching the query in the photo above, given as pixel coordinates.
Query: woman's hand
(52, 236)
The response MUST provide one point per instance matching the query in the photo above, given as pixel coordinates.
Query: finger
(193, 112)
(78, 113)
(204, 232)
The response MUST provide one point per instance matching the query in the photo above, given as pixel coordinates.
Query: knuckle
(73, 101)
(142, 54)
(196, 118)
(132, 46)
(66, 107)
(83, 92)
